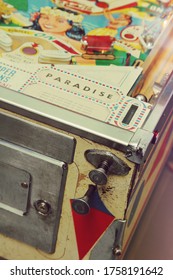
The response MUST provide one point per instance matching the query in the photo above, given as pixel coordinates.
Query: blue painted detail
(95, 202)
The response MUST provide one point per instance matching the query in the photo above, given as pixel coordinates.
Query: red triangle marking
(89, 228)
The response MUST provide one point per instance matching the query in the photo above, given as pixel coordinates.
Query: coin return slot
(128, 117)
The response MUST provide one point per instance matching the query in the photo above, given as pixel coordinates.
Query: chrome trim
(92, 129)
(165, 99)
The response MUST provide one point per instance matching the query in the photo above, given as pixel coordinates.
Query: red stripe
(65, 47)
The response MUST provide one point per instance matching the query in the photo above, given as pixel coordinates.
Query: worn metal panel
(36, 137)
(14, 185)
(48, 178)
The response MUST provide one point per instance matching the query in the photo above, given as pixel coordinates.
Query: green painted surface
(21, 5)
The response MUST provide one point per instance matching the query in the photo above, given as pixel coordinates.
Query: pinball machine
(84, 132)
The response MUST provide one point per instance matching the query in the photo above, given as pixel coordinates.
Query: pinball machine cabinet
(38, 182)
(73, 187)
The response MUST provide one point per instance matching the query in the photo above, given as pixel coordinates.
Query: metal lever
(106, 163)
(82, 205)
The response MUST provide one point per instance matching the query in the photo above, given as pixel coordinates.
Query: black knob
(82, 205)
(99, 175)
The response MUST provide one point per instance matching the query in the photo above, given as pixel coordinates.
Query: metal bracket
(109, 246)
(138, 147)
(119, 234)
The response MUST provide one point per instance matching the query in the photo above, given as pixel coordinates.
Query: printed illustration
(81, 32)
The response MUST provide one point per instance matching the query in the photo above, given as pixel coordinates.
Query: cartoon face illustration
(53, 24)
(131, 33)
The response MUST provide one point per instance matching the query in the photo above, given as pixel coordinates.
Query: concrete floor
(153, 239)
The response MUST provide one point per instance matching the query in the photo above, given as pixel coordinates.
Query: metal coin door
(32, 181)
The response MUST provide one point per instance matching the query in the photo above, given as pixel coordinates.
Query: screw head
(80, 206)
(98, 176)
(117, 251)
(42, 207)
(24, 185)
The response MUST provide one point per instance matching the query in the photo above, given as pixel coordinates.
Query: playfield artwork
(110, 32)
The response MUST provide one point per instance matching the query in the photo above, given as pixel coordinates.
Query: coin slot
(128, 117)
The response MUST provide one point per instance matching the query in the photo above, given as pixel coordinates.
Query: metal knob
(82, 205)
(106, 163)
(141, 97)
(99, 175)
